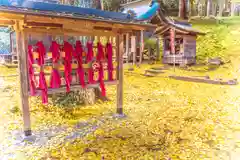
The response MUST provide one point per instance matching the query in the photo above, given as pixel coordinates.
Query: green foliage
(150, 42)
(212, 44)
(111, 5)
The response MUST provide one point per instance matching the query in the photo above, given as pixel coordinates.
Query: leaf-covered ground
(166, 118)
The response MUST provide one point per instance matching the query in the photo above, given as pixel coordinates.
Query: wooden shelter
(184, 44)
(35, 22)
(179, 39)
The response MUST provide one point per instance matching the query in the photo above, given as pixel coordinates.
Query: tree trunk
(226, 5)
(190, 7)
(209, 8)
(182, 9)
(198, 6)
(221, 5)
(193, 8)
(214, 8)
(232, 8)
(102, 4)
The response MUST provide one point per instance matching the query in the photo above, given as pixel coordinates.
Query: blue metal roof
(41, 6)
(4, 51)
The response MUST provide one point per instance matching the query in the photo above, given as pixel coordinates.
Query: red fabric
(41, 52)
(55, 49)
(110, 64)
(78, 55)
(42, 81)
(100, 58)
(68, 49)
(55, 80)
(31, 71)
(43, 87)
(90, 59)
(101, 80)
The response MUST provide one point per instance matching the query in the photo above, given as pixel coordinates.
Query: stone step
(130, 69)
(148, 75)
(157, 68)
(154, 71)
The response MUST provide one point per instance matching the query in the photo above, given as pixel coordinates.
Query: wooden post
(133, 48)
(120, 74)
(127, 46)
(23, 74)
(157, 49)
(141, 47)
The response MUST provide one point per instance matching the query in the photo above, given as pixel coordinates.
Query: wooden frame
(25, 23)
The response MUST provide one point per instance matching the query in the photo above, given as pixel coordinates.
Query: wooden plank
(23, 74)
(75, 88)
(120, 74)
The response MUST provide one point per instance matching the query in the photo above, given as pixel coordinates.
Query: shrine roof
(65, 11)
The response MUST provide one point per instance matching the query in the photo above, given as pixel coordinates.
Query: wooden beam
(6, 22)
(46, 25)
(86, 22)
(141, 47)
(127, 46)
(120, 74)
(75, 88)
(11, 16)
(103, 28)
(70, 32)
(23, 74)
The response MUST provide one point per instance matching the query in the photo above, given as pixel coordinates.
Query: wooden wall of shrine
(185, 50)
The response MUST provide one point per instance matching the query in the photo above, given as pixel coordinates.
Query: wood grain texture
(23, 74)
(120, 74)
